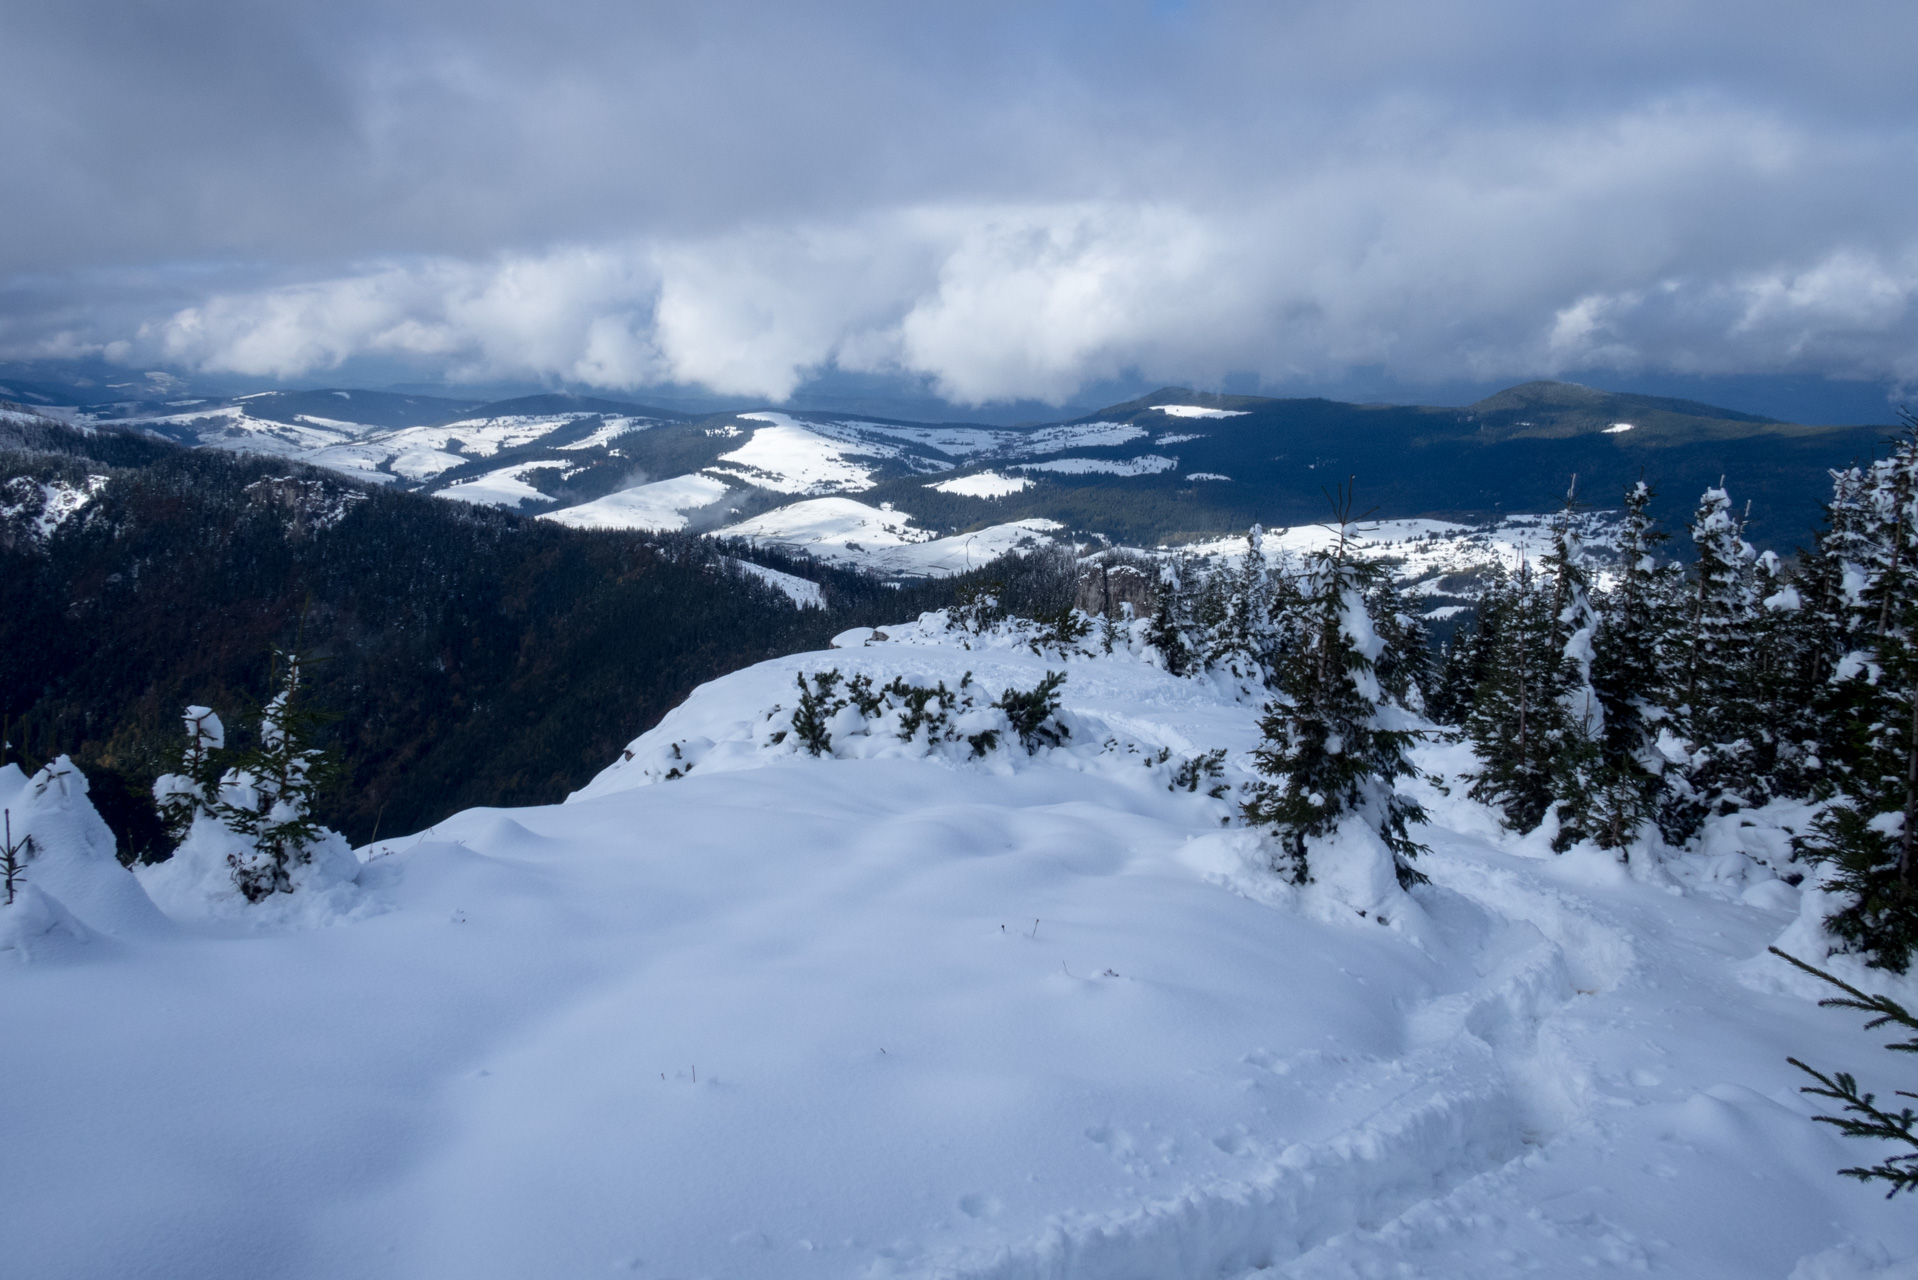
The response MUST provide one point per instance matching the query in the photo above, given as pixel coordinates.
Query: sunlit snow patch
(1197, 411)
(1618, 428)
(986, 484)
(847, 532)
(1079, 435)
(502, 488)
(1144, 465)
(657, 506)
(803, 592)
(609, 430)
(788, 456)
(1206, 475)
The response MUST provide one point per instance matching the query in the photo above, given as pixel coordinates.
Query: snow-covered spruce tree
(1867, 835)
(267, 796)
(1170, 631)
(1790, 667)
(1235, 617)
(1330, 746)
(1581, 770)
(1829, 592)
(1716, 715)
(191, 792)
(1404, 667)
(1466, 660)
(1517, 722)
(1630, 648)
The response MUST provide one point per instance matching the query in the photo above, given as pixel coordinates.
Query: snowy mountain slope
(842, 531)
(1171, 466)
(894, 1011)
(506, 487)
(659, 504)
(379, 436)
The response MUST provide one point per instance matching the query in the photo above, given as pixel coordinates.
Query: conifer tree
(1867, 835)
(1330, 749)
(1628, 652)
(1716, 713)
(1517, 723)
(192, 791)
(267, 796)
(1170, 628)
(1466, 660)
(1236, 617)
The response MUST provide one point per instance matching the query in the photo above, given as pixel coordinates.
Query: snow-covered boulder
(74, 860)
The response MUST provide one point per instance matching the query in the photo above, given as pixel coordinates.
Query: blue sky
(1017, 202)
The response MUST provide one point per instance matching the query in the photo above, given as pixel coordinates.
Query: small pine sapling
(1207, 765)
(267, 797)
(1031, 712)
(817, 706)
(1861, 1116)
(193, 789)
(14, 856)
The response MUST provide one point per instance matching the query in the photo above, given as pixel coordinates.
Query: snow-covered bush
(832, 706)
(245, 821)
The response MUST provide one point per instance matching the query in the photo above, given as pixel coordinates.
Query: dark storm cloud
(1012, 199)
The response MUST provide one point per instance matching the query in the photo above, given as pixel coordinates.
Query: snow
(1618, 428)
(1143, 465)
(506, 487)
(1206, 475)
(841, 530)
(957, 442)
(791, 457)
(983, 484)
(610, 430)
(1178, 437)
(658, 505)
(72, 867)
(57, 500)
(899, 1010)
(367, 452)
(481, 437)
(1081, 435)
(803, 592)
(1197, 411)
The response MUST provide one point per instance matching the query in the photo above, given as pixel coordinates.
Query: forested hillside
(465, 655)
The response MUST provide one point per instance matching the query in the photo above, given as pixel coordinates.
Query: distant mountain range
(916, 498)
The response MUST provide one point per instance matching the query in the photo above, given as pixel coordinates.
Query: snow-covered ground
(983, 484)
(794, 457)
(843, 531)
(1144, 465)
(367, 452)
(662, 504)
(1197, 411)
(803, 592)
(897, 1010)
(507, 487)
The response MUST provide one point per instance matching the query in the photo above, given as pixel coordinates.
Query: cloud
(1010, 201)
